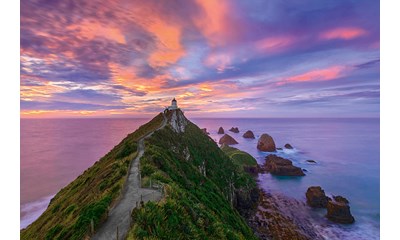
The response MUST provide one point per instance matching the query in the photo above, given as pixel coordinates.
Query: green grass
(240, 158)
(195, 206)
(88, 198)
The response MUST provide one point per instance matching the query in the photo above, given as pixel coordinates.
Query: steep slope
(242, 159)
(202, 187)
(89, 197)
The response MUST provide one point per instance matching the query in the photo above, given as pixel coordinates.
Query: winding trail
(118, 221)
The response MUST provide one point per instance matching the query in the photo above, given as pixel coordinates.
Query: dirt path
(119, 216)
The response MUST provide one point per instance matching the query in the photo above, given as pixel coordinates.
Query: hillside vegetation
(240, 158)
(205, 190)
(87, 199)
(202, 188)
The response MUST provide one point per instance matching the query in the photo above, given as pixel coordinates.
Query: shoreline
(278, 216)
(31, 211)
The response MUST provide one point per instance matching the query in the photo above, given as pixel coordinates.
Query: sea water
(55, 151)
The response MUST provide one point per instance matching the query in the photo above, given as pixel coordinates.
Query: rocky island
(280, 166)
(266, 143)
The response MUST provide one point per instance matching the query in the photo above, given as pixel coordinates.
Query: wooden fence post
(92, 226)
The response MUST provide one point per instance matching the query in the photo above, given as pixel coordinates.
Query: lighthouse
(174, 105)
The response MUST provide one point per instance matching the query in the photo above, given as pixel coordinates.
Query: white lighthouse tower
(174, 105)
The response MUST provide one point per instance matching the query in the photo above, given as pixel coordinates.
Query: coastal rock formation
(316, 197)
(339, 210)
(266, 143)
(205, 131)
(288, 146)
(248, 134)
(177, 120)
(279, 148)
(228, 140)
(281, 166)
(341, 199)
(221, 130)
(311, 161)
(234, 129)
(281, 217)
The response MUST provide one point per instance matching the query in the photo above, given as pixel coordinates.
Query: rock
(205, 131)
(305, 170)
(228, 140)
(288, 146)
(234, 129)
(316, 197)
(281, 217)
(339, 210)
(311, 161)
(279, 148)
(340, 199)
(177, 120)
(281, 166)
(266, 143)
(248, 134)
(221, 130)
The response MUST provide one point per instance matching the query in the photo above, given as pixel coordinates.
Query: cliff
(202, 189)
(202, 186)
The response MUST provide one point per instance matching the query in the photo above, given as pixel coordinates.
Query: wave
(32, 210)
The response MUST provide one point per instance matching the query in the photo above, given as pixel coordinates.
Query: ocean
(55, 151)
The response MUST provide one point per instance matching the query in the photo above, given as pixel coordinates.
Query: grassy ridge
(240, 158)
(88, 198)
(201, 184)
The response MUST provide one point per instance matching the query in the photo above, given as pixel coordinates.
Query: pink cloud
(274, 44)
(345, 33)
(318, 75)
(221, 61)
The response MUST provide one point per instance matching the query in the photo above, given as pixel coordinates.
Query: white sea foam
(364, 231)
(32, 210)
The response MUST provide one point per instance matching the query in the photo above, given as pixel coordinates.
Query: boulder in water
(266, 143)
(311, 161)
(228, 140)
(221, 130)
(339, 210)
(316, 197)
(248, 134)
(288, 146)
(281, 166)
(234, 129)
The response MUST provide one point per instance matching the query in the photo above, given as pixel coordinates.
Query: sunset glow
(218, 58)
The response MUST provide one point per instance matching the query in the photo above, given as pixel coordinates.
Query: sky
(218, 58)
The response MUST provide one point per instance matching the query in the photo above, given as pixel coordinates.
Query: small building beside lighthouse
(174, 105)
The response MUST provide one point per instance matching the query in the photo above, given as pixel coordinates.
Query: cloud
(100, 54)
(87, 96)
(318, 75)
(344, 33)
(368, 64)
(274, 44)
(58, 105)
